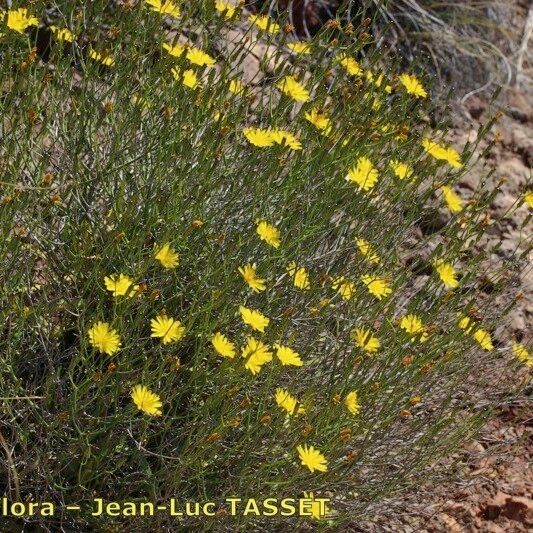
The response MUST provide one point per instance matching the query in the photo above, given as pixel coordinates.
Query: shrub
(219, 288)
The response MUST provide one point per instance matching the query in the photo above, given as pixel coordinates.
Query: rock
(476, 106)
(520, 108)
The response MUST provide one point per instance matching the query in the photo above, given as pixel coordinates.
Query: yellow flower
(199, 57)
(286, 401)
(350, 65)
(319, 120)
(236, 87)
(528, 198)
(62, 34)
(258, 137)
(223, 345)
(401, 170)
(453, 201)
(164, 7)
(265, 23)
(269, 234)
(521, 353)
(412, 85)
(286, 138)
(465, 323)
(187, 78)
(102, 57)
(483, 338)
(167, 329)
(344, 287)
(249, 275)
(299, 276)
(367, 251)
(225, 8)
(254, 319)
(167, 256)
(413, 325)
(312, 458)
(363, 174)
(120, 285)
(447, 274)
(104, 338)
(293, 88)
(20, 20)
(376, 285)
(352, 403)
(257, 353)
(317, 507)
(146, 400)
(174, 50)
(442, 153)
(365, 340)
(288, 356)
(299, 47)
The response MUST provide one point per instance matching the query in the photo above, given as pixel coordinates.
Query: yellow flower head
(257, 354)
(413, 325)
(528, 198)
(412, 85)
(188, 78)
(447, 274)
(20, 20)
(167, 256)
(268, 233)
(442, 153)
(352, 403)
(286, 138)
(102, 57)
(521, 353)
(62, 34)
(199, 57)
(258, 137)
(146, 400)
(484, 339)
(453, 201)
(293, 88)
(225, 8)
(367, 251)
(288, 402)
(175, 50)
(344, 287)
(317, 507)
(104, 338)
(376, 285)
(288, 356)
(365, 340)
(254, 319)
(299, 276)
(223, 345)
(120, 285)
(350, 65)
(236, 87)
(167, 329)
(312, 458)
(164, 7)
(319, 121)
(401, 170)
(248, 272)
(363, 174)
(265, 23)
(299, 47)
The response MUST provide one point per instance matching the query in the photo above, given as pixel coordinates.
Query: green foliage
(104, 164)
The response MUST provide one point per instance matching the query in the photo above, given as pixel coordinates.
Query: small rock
(476, 106)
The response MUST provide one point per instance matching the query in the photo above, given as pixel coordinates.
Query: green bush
(140, 218)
